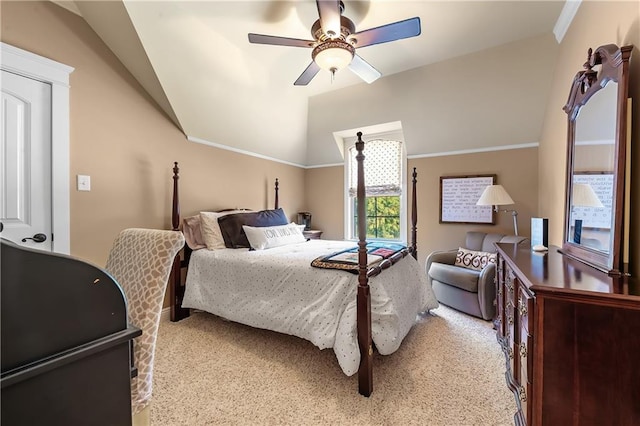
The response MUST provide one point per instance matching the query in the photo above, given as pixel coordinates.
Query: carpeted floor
(448, 371)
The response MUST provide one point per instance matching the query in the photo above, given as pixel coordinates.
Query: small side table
(313, 234)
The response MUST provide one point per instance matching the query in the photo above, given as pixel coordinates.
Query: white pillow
(210, 229)
(265, 237)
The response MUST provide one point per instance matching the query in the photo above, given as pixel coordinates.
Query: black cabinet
(66, 344)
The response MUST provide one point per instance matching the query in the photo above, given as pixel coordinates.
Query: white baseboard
(166, 314)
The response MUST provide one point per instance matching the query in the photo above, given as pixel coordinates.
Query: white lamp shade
(333, 55)
(333, 58)
(584, 195)
(494, 195)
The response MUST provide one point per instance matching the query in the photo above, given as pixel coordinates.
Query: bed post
(277, 202)
(365, 371)
(414, 216)
(176, 289)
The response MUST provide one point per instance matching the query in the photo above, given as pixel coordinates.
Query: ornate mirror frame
(606, 64)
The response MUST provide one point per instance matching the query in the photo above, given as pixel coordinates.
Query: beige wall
(324, 187)
(595, 24)
(127, 145)
(493, 97)
(516, 170)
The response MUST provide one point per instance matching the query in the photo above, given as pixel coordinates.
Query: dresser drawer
(510, 317)
(525, 348)
(525, 307)
(500, 319)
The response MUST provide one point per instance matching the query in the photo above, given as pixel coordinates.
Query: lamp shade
(333, 55)
(584, 195)
(494, 195)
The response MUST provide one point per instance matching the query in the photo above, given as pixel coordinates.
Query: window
(384, 183)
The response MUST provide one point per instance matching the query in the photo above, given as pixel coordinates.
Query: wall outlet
(84, 182)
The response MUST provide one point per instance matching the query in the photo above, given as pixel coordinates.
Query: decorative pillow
(193, 233)
(211, 235)
(266, 237)
(231, 225)
(472, 259)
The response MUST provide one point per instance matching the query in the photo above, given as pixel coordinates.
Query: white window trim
(39, 68)
(348, 213)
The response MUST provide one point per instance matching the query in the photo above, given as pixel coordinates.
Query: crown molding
(566, 17)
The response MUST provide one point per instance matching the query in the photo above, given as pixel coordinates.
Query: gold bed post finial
(365, 371)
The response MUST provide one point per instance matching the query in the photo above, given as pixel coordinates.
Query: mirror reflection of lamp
(582, 195)
(496, 195)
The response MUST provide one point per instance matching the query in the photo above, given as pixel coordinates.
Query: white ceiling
(195, 60)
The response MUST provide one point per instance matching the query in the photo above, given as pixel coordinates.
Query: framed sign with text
(602, 185)
(458, 198)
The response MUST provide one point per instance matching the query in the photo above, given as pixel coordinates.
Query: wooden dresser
(571, 338)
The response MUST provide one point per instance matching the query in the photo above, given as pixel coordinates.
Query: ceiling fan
(335, 42)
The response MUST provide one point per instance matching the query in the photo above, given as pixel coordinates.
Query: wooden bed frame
(365, 370)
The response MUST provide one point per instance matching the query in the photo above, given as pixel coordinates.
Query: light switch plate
(84, 182)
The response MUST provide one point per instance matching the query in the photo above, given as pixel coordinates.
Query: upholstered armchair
(140, 260)
(463, 279)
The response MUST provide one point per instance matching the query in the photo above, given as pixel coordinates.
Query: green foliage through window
(383, 217)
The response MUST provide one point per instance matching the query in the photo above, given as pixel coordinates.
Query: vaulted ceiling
(195, 60)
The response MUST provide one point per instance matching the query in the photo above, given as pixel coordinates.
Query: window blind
(382, 168)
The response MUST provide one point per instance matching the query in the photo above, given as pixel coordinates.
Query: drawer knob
(523, 350)
(522, 306)
(522, 394)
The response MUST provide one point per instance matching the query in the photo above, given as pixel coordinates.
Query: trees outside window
(383, 217)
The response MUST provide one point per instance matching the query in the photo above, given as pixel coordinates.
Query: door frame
(56, 74)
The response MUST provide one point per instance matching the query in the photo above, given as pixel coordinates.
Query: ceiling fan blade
(329, 12)
(386, 33)
(364, 70)
(279, 41)
(307, 75)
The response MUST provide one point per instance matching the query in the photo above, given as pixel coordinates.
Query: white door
(25, 167)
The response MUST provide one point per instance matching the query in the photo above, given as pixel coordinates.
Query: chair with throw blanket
(140, 260)
(464, 278)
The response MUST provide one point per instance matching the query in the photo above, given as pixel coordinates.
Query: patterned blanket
(347, 260)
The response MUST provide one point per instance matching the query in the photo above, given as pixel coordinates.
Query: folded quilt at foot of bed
(347, 260)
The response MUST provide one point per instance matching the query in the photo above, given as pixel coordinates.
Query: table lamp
(495, 195)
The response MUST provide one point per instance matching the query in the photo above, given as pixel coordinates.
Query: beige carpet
(448, 371)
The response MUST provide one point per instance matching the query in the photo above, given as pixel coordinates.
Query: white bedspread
(277, 289)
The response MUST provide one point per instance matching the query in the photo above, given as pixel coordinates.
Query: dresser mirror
(597, 148)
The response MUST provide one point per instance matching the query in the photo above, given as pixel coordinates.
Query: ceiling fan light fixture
(333, 55)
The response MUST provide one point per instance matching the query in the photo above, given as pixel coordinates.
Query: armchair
(472, 291)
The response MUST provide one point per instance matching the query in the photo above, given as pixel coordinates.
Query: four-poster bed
(330, 317)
